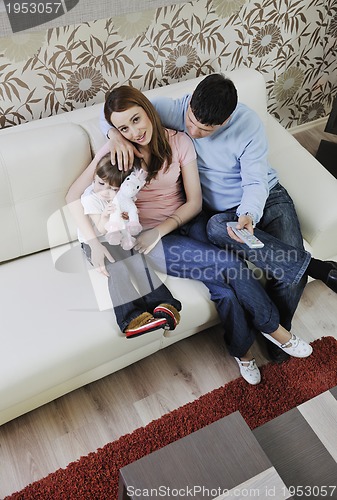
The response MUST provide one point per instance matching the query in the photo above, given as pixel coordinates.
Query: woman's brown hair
(124, 97)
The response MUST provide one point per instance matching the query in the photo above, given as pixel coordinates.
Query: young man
(238, 184)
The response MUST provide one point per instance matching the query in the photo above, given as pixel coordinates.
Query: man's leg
(283, 257)
(277, 259)
(280, 220)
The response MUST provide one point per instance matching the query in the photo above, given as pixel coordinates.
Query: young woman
(168, 202)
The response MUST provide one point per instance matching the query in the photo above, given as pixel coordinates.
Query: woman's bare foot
(281, 335)
(248, 356)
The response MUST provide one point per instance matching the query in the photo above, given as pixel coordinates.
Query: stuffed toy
(120, 231)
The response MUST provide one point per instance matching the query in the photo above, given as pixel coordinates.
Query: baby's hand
(109, 209)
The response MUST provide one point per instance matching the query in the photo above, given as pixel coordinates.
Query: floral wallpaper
(293, 43)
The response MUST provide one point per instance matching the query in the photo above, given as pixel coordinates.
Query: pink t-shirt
(164, 194)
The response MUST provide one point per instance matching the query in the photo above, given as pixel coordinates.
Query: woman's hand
(147, 240)
(122, 151)
(98, 254)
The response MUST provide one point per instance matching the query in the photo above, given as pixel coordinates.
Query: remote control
(250, 240)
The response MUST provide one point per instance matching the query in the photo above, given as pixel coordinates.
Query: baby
(151, 305)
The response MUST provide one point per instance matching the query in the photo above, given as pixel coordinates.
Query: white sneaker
(249, 371)
(295, 346)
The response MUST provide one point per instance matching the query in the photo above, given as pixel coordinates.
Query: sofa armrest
(312, 188)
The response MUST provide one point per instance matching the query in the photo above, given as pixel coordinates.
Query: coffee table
(222, 460)
(302, 445)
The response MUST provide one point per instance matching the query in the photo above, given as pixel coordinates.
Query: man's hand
(98, 254)
(123, 151)
(147, 240)
(244, 222)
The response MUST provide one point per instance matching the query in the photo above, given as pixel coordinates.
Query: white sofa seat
(54, 337)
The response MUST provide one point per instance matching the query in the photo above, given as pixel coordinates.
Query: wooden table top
(218, 461)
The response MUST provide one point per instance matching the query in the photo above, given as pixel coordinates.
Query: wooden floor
(311, 138)
(50, 437)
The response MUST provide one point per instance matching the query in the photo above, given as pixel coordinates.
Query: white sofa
(57, 326)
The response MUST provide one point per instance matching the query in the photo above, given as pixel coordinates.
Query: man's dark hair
(214, 100)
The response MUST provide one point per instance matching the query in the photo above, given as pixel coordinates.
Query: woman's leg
(219, 269)
(239, 336)
(189, 258)
(242, 303)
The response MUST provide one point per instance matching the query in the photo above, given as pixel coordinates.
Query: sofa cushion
(36, 169)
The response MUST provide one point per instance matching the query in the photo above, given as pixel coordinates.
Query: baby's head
(108, 178)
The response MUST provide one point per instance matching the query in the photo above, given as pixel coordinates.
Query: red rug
(283, 387)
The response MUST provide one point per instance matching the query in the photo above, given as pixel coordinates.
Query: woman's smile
(141, 138)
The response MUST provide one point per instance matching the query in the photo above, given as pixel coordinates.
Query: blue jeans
(283, 258)
(242, 303)
(130, 269)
